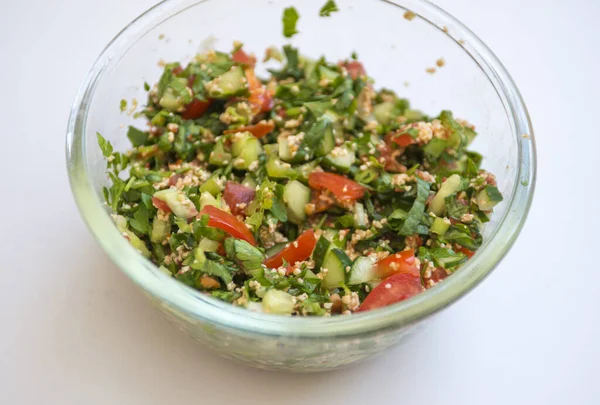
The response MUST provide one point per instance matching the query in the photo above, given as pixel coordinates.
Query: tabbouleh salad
(306, 193)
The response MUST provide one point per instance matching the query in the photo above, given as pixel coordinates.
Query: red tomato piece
(296, 251)
(258, 130)
(242, 57)
(342, 187)
(391, 290)
(398, 263)
(466, 251)
(260, 99)
(177, 70)
(403, 140)
(355, 69)
(235, 195)
(389, 157)
(195, 109)
(160, 204)
(228, 223)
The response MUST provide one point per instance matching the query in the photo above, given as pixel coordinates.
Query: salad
(308, 192)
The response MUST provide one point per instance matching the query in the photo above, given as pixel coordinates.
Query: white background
(73, 330)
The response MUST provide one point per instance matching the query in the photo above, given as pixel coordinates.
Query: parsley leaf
(123, 105)
(290, 18)
(105, 146)
(243, 253)
(328, 8)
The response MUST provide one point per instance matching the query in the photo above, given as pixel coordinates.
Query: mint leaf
(328, 8)
(137, 137)
(417, 210)
(290, 18)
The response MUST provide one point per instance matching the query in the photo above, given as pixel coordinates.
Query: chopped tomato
(466, 251)
(437, 275)
(195, 109)
(342, 187)
(391, 290)
(160, 204)
(403, 140)
(296, 251)
(403, 263)
(235, 195)
(174, 179)
(242, 57)
(228, 223)
(177, 70)
(260, 99)
(355, 69)
(258, 130)
(389, 157)
(322, 200)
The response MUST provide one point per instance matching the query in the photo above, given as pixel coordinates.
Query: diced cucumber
(284, 149)
(160, 230)
(273, 250)
(450, 261)
(276, 169)
(335, 237)
(137, 243)
(178, 202)
(169, 101)
(199, 259)
(249, 182)
(329, 74)
(440, 226)
(336, 261)
(271, 149)
(341, 158)
(413, 115)
(362, 271)
(238, 142)
(278, 302)
(212, 185)
(488, 198)
(229, 84)
(435, 147)
(219, 156)
(295, 196)
(306, 169)
(383, 112)
(207, 198)
(252, 148)
(361, 220)
(320, 251)
(438, 203)
(327, 144)
(208, 245)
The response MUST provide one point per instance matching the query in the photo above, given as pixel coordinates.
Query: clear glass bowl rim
(206, 309)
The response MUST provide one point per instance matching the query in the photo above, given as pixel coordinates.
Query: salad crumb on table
(309, 192)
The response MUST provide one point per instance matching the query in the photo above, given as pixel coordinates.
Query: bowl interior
(395, 51)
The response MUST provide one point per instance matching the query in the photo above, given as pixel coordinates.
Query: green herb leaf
(290, 18)
(417, 210)
(123, 105)
(328, 8)
(244, 254)
(137, 137)
(216, 269)
(278, 208)
(105, 146)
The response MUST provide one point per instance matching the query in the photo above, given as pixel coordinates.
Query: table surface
(75, 330)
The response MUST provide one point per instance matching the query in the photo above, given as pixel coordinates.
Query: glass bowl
(396, 52)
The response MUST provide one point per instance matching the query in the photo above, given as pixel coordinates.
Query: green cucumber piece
(278, 302)
(440, 226)
(178, 202)
(229, 84)
(271, 149)
(212, 185)
(361, 220)
(199, 259)
(207, 198)
(238, 142)
(276, 169)
(306, 169)
(284, 149)
(438, 203)
(488, 198)
(336, 261)
(252, 149)
(160, 230)
(340, 158)
(383, 112)
(362, 271)
(219, 156)
(208, 245)
(295, 196)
